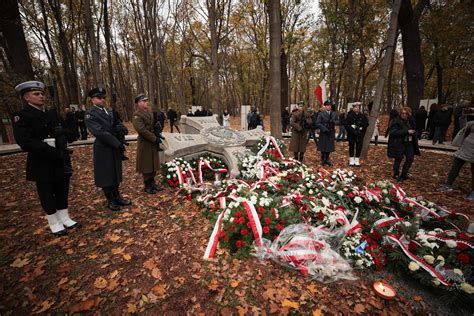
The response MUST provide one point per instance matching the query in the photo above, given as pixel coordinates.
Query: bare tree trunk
(349, 76)
(216, 94)
(392, 32)
(439, 75)
(110, 68)
(411, 43)
(274, 14)
(89, 25)
(390, 75)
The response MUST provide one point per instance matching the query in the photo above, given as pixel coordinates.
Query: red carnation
(279, 227)
(351, 195)
(463, 258)
(320, 216)
(242, 220)
(238, 214)
(231, 229)
(267, 220)
(236, 220)
(266, 229)
(261, 209)
(243, 232)
(239, 243)
(461, 246)
(249, 225)
(262, 187)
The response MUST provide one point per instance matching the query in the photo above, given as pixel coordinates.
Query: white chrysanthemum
(413, 266)
(451, 243)
(466, 287)
(429, 259)
(358, 199)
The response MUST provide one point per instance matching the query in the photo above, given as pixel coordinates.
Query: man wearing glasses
(108, 149)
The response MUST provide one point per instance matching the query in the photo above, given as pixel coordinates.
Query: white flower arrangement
(353, 249)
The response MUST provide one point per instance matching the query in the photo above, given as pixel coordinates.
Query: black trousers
(82, 130)
(409, 153)
(149, 176)
(53, 195)
(456, 168)
(357, 146)
(112, 192)
(174, 124)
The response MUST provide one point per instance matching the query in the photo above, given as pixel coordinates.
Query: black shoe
(401, 178)
(77, 225)
(328, 162)
(149, 190)
(122, 202)
(113, 206)
(60, 233)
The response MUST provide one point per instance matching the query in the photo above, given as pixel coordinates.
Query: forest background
(216, 53)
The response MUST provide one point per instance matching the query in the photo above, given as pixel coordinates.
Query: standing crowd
(44, 135)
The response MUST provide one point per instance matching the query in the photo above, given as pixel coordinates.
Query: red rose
(236, 220)
(266, 229)
(231, 229)
(249, 225)
(267, 220)
(238, 214)
(243, 232)
(351, 195)
(239, 243)
(340, 208)
(261, 209)
(279, 227)
(262, 187)
(320, 216)
(242, 220)
(463, 258)
(461, 246)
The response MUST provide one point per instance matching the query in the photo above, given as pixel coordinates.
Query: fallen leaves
(290, 304)
(44, 306)
(127, 257)
(234, 283)
(20, 263)
(100, 283)
(159, 290)
(84, 306)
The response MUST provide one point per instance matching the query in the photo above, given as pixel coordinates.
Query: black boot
(301, 157)
(327, 161)
(296, 155)
(118, 199)
(323, 158)
(111, 203)
(149, 188)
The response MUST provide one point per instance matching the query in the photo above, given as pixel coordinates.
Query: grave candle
(384, 290)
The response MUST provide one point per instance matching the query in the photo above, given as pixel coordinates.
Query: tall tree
(383, 72)
(409, 21)
(274, 14)
(93, 42)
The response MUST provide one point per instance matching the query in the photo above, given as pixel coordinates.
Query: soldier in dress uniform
(48, 162)
(107, 149)
(326, 122)
(300, 123)
(148, 161)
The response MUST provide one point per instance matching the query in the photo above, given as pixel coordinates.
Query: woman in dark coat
(356, 125)
(402, 141)
(326, 122)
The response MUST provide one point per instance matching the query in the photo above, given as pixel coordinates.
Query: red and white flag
(320, 92)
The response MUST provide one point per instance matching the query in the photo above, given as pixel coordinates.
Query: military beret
(97, 92)
(141, 97)
(28, 86)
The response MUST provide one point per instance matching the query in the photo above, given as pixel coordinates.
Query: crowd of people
(44, 135)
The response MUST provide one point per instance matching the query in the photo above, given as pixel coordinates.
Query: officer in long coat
(148, 161)
(107, 149)
(326, 122)
(300, 123)
(47, 164)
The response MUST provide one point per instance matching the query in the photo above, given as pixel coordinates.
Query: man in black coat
(48, 162)
(71, 123)
(107, 150)
(173, 117)
(356, 124)
(82, 130)
(326, 122)
(442, 120)
(420, 120)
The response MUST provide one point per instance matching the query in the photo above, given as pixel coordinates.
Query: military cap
(28, 86)
(140, 97)
(328, 102)
(300, 103)
(97, 92)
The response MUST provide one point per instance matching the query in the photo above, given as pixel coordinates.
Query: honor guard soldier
(326, 122)
(148, 144)
(48, 163)
(108, 149)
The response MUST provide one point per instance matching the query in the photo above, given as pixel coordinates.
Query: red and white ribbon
(270, 139)
(444, 239)
(207, 164)
(425, 266)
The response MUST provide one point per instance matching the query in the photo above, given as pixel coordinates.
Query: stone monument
(204, 135)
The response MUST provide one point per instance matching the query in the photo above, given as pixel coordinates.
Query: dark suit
(107, 153)
(48, 166)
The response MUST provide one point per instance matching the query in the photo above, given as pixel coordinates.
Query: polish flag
(320, 92)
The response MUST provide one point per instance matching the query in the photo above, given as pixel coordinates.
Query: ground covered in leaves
(148, 257)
